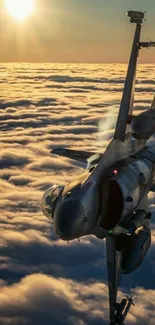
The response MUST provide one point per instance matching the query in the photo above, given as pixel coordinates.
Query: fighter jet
(110, 199)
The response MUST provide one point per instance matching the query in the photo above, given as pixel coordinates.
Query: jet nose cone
(69, 219)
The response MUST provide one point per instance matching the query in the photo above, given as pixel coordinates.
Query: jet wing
(113, 259)
(82, 156)
(126, 106)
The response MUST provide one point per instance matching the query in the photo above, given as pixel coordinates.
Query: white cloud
(73, 106)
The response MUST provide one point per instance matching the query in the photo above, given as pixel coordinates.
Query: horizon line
(49, 62)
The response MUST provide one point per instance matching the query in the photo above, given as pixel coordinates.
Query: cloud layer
(44, 280)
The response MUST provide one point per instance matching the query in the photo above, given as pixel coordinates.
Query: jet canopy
(49, 200)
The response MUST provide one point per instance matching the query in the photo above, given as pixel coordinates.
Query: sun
(20, 9)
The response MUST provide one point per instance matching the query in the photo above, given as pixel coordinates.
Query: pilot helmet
(49, 200)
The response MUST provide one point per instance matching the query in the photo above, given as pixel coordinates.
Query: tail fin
(153, 103)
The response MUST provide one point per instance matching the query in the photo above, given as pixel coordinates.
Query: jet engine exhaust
(122, 193)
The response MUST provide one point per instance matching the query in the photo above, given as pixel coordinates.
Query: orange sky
(74, 31)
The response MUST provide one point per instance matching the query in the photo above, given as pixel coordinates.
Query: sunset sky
(43, 105)
(74, 31)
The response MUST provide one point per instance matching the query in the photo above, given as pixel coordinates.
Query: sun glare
(20, 9)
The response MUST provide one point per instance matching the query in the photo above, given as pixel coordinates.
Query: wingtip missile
(136, 14)
(122, 309)
(147, 45)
